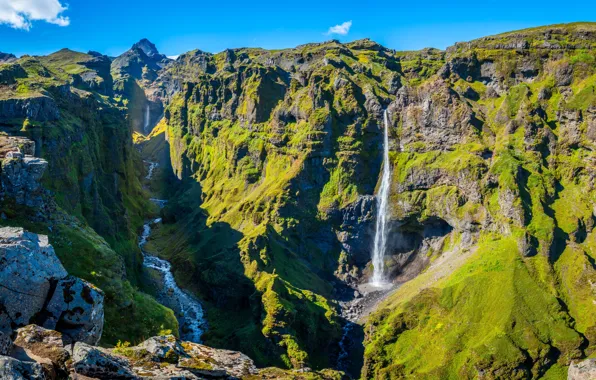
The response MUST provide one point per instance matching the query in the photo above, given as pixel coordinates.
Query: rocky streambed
(187, 308)
(364, 300)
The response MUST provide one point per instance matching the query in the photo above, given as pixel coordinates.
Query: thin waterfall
(147, 116)
(382, 211)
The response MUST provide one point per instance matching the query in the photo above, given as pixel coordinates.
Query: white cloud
(173, 56)
(341, 29)
(20, 14)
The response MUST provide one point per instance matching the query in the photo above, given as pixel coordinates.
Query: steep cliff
(491, 199)
(499, 145)
(90, 200)
(270, 161)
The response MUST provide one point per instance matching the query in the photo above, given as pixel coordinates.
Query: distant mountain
(6, 57)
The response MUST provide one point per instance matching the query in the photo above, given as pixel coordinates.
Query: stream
(186, 307)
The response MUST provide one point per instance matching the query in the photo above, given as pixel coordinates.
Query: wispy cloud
(20, 14)
(341, 29)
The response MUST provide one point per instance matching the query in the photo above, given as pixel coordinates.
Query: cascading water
(152, 167)
(380, 243)
(187, 308)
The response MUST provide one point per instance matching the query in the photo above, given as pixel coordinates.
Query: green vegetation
(492, 152)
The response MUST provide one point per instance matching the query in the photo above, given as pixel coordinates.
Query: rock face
(38, 108)
(585, 370)
(29, 268)
(35, 286)
(20, 177)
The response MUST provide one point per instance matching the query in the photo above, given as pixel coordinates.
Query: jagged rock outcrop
(76, 309)
(38, 108)
(20, 177)
(36, 287)
(94, 363)
(9, 73)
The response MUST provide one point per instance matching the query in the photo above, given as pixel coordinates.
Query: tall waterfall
(382, 211)
(147, 116)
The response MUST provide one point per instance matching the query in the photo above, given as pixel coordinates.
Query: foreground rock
(13, 369)
(585, 370)
(35, 287)
(46, 347)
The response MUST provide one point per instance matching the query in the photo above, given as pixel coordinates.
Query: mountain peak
(7, 57)
(147, 46)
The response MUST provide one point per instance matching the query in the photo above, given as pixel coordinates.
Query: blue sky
(111, 26)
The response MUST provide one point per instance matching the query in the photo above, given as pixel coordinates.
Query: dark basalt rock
(36, 108)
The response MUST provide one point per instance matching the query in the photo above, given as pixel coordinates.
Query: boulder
(231, 363)
(40, 343)
(34, 286)
(46, 347)
(28, 267)
(13, 369)
(163, 348)
(584, 370)
(92, 362)
(77, 310)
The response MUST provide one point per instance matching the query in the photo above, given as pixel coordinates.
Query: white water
(152, 166)
(147, 117)
(188, 310)
(380, 244)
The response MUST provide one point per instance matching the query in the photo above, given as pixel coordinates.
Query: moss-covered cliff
(59, 102)
(499, 144)
(492, 193)
(270, 161)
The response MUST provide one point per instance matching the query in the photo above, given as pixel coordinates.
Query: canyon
(333, 210)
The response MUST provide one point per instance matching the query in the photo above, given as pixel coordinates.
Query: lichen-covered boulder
(46, 346)
(232, 363)
(163, 348)
(28, 266)
(76, 306)
(13, 369)
(35, 287)
(92, 362)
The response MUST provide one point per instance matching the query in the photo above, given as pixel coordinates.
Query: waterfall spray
(382, 211)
